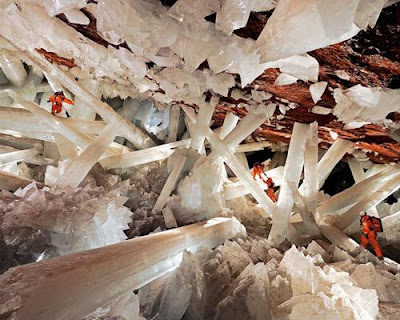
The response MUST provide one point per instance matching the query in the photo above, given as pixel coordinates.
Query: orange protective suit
(57, 100)
(258, 171)
(369, 235)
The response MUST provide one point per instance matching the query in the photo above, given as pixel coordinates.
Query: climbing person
(258, 171)
(370, 226)
(57, 100)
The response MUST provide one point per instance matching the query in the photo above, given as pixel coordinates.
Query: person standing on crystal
(370, 226)
(57, 100)
(258, 171)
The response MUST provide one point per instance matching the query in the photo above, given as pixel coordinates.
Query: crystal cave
(199, 159)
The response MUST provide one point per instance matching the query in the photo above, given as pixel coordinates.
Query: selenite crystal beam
(170, 183)
(20, 155)
(136, 158)
(221, 150)
(350, 196)
(359, 175)
(80, 166)
(292, 173)
(238, 189)
(71, 286)
(81, 140)
(12, 182)
(369, 200)
(309, 188)
(229, 124)
(254, 119)
(334, 154)
(252, 146)
(175, 114)
(337, 237)
(66, 148)
(203, 120)
(308, 218)
(13, 68)
(19, 119)
(138, 138)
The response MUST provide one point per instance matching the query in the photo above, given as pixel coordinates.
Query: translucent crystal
(285, 79)
(292, 172)
(317, 89)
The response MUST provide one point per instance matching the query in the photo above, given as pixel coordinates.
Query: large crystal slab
(16, 156)
(90, 279)
(12, 182)
(232, 15)
(296, 27)
(14, 69)
(292, 173)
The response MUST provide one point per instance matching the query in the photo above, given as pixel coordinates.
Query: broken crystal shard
(292, 173)
(173, 124)
(284, 79)
(293, 20)
(80, 166)
(12, 182)
(232, 15)
(78, 275)
(337, 237)
(76, 16)
(317, 89)
(303, 67)
(169, 218)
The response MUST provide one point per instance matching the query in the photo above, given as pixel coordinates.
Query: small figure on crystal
(370, 227)
(57, 100)
(258, 171)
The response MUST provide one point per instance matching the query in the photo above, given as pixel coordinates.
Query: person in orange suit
(258, 171)
(57, 100)
(368, 234)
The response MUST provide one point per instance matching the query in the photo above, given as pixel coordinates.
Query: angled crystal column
(241, 156)
(65, 147)
(12, 182)
(254, 119)
(252, 146)
(309, 188)
(221, 150)
(229, 124)
(81, 109)
(20, 155)
(136, 158)
(81, 140)
(80, 166)
(359, 175)
(173, 124)
(19, 119)
(367, 201)
(238, 189)
(47, 290)
(170, 184)
(203, 120)
(337, 237)
(131, 132)
(352, 195)
(334, 154)
(292, 173)
(308, 218)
